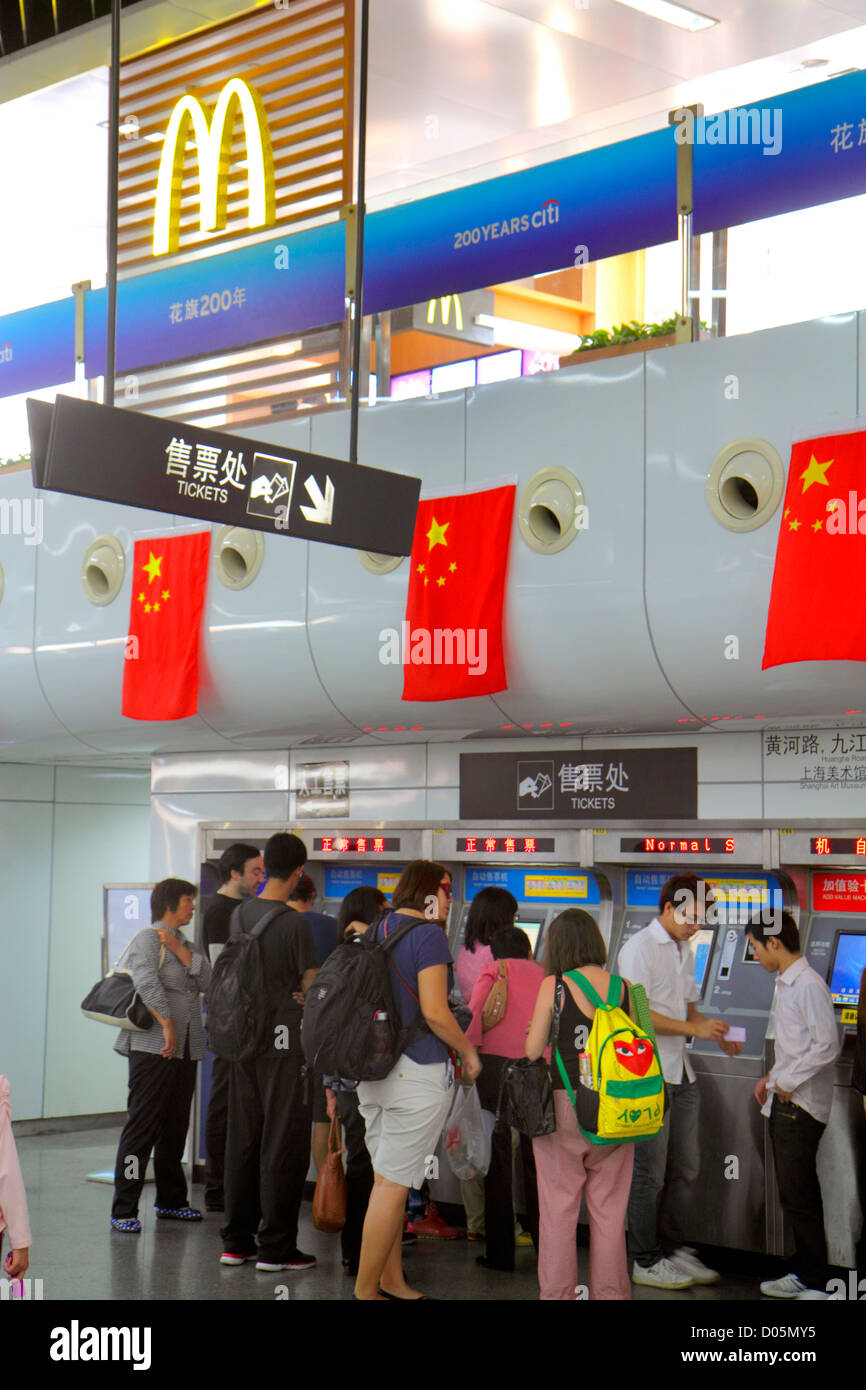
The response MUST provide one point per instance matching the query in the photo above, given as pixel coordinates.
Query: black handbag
(526, 1090)
(116, 1001)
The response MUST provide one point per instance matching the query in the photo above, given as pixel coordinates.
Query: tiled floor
(77, 1255)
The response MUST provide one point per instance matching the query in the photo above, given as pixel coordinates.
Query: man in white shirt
(797, 1095)
(667, 1166)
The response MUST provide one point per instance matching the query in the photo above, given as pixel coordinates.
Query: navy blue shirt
(324, 933)
(425, 945)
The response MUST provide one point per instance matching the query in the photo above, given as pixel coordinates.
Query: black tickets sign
(138, 460)
(572, 784)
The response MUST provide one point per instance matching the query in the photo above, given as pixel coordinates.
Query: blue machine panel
(570, 887)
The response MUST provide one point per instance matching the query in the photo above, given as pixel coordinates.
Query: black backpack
(239, 1008)
(351, 1026)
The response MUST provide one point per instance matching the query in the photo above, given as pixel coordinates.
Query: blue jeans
(417, 1202)
(665, 1169)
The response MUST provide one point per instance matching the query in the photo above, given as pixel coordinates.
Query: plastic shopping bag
(468, 1132)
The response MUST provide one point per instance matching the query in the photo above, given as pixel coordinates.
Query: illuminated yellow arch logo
(213, 137)
(445, 307)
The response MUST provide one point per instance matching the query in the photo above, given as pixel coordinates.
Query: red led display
(678, 845)
(362, 844)
(822, 844)
(510, 844)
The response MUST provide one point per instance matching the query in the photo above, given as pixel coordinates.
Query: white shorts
(405, 1115)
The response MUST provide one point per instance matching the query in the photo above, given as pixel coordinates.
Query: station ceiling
(462, 90)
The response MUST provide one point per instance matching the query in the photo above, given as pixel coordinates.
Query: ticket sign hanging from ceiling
(575, 784)
(138, 460)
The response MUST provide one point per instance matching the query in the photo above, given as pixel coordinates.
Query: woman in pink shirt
(511, 947)
(491, 909)
(13, 1203)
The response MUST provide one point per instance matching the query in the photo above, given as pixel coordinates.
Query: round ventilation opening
(379, 564)
(551, 510)
(746, 484)
(238, 556)
(102, 570)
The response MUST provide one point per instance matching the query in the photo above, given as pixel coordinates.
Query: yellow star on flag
(421, 569)
(816, 525)
(156, 608)
(152, 568)
(141, 598)
(452, 567)
(436, 534)
(426, 581)
(832, 506)
(147, 608)
(440, 581)
(166, 594)
(815, 473)
(794, 525)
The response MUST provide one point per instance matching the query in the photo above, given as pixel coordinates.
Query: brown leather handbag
(496, 1001)
(329, 1198)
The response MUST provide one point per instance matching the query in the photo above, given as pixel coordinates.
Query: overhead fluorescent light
(533, 336)
(680, 15)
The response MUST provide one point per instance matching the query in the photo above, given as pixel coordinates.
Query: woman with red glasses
(404, 1114)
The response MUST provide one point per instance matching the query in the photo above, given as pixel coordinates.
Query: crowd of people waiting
(263, 1112)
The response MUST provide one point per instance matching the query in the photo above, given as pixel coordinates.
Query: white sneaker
(687, 1260)
(664, 1274)
(811, 1294)
(789, 1286)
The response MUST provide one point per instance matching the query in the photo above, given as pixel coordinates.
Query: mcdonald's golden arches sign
(235, 130)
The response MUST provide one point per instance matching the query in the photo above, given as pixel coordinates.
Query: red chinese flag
(452, 636)
(816, 609)
(160, 678)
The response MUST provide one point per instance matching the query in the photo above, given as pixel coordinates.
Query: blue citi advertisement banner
(37, 347)
(245, 296)
(781, 154)
(584, 208)
(778, 155)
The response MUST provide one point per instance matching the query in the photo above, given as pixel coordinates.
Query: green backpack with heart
(621, 1094)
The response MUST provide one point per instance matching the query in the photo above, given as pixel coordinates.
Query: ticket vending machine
(833, 938)
(541, 871)
(731, 1206)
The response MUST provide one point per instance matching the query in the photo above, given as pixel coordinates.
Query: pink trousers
(569, 1165)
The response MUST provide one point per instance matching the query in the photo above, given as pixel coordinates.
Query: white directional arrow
(322, 510)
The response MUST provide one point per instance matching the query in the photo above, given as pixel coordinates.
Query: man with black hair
(241, 870)
(797, 1094)
(268, 1146)
(666, 1167)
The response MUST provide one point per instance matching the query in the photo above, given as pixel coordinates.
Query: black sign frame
(115, 455)
(626, 784)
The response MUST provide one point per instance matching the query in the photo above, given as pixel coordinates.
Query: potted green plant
(625, 338)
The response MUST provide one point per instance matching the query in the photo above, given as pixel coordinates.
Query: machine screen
(531, 928)
(848, 965)
(702, 949)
